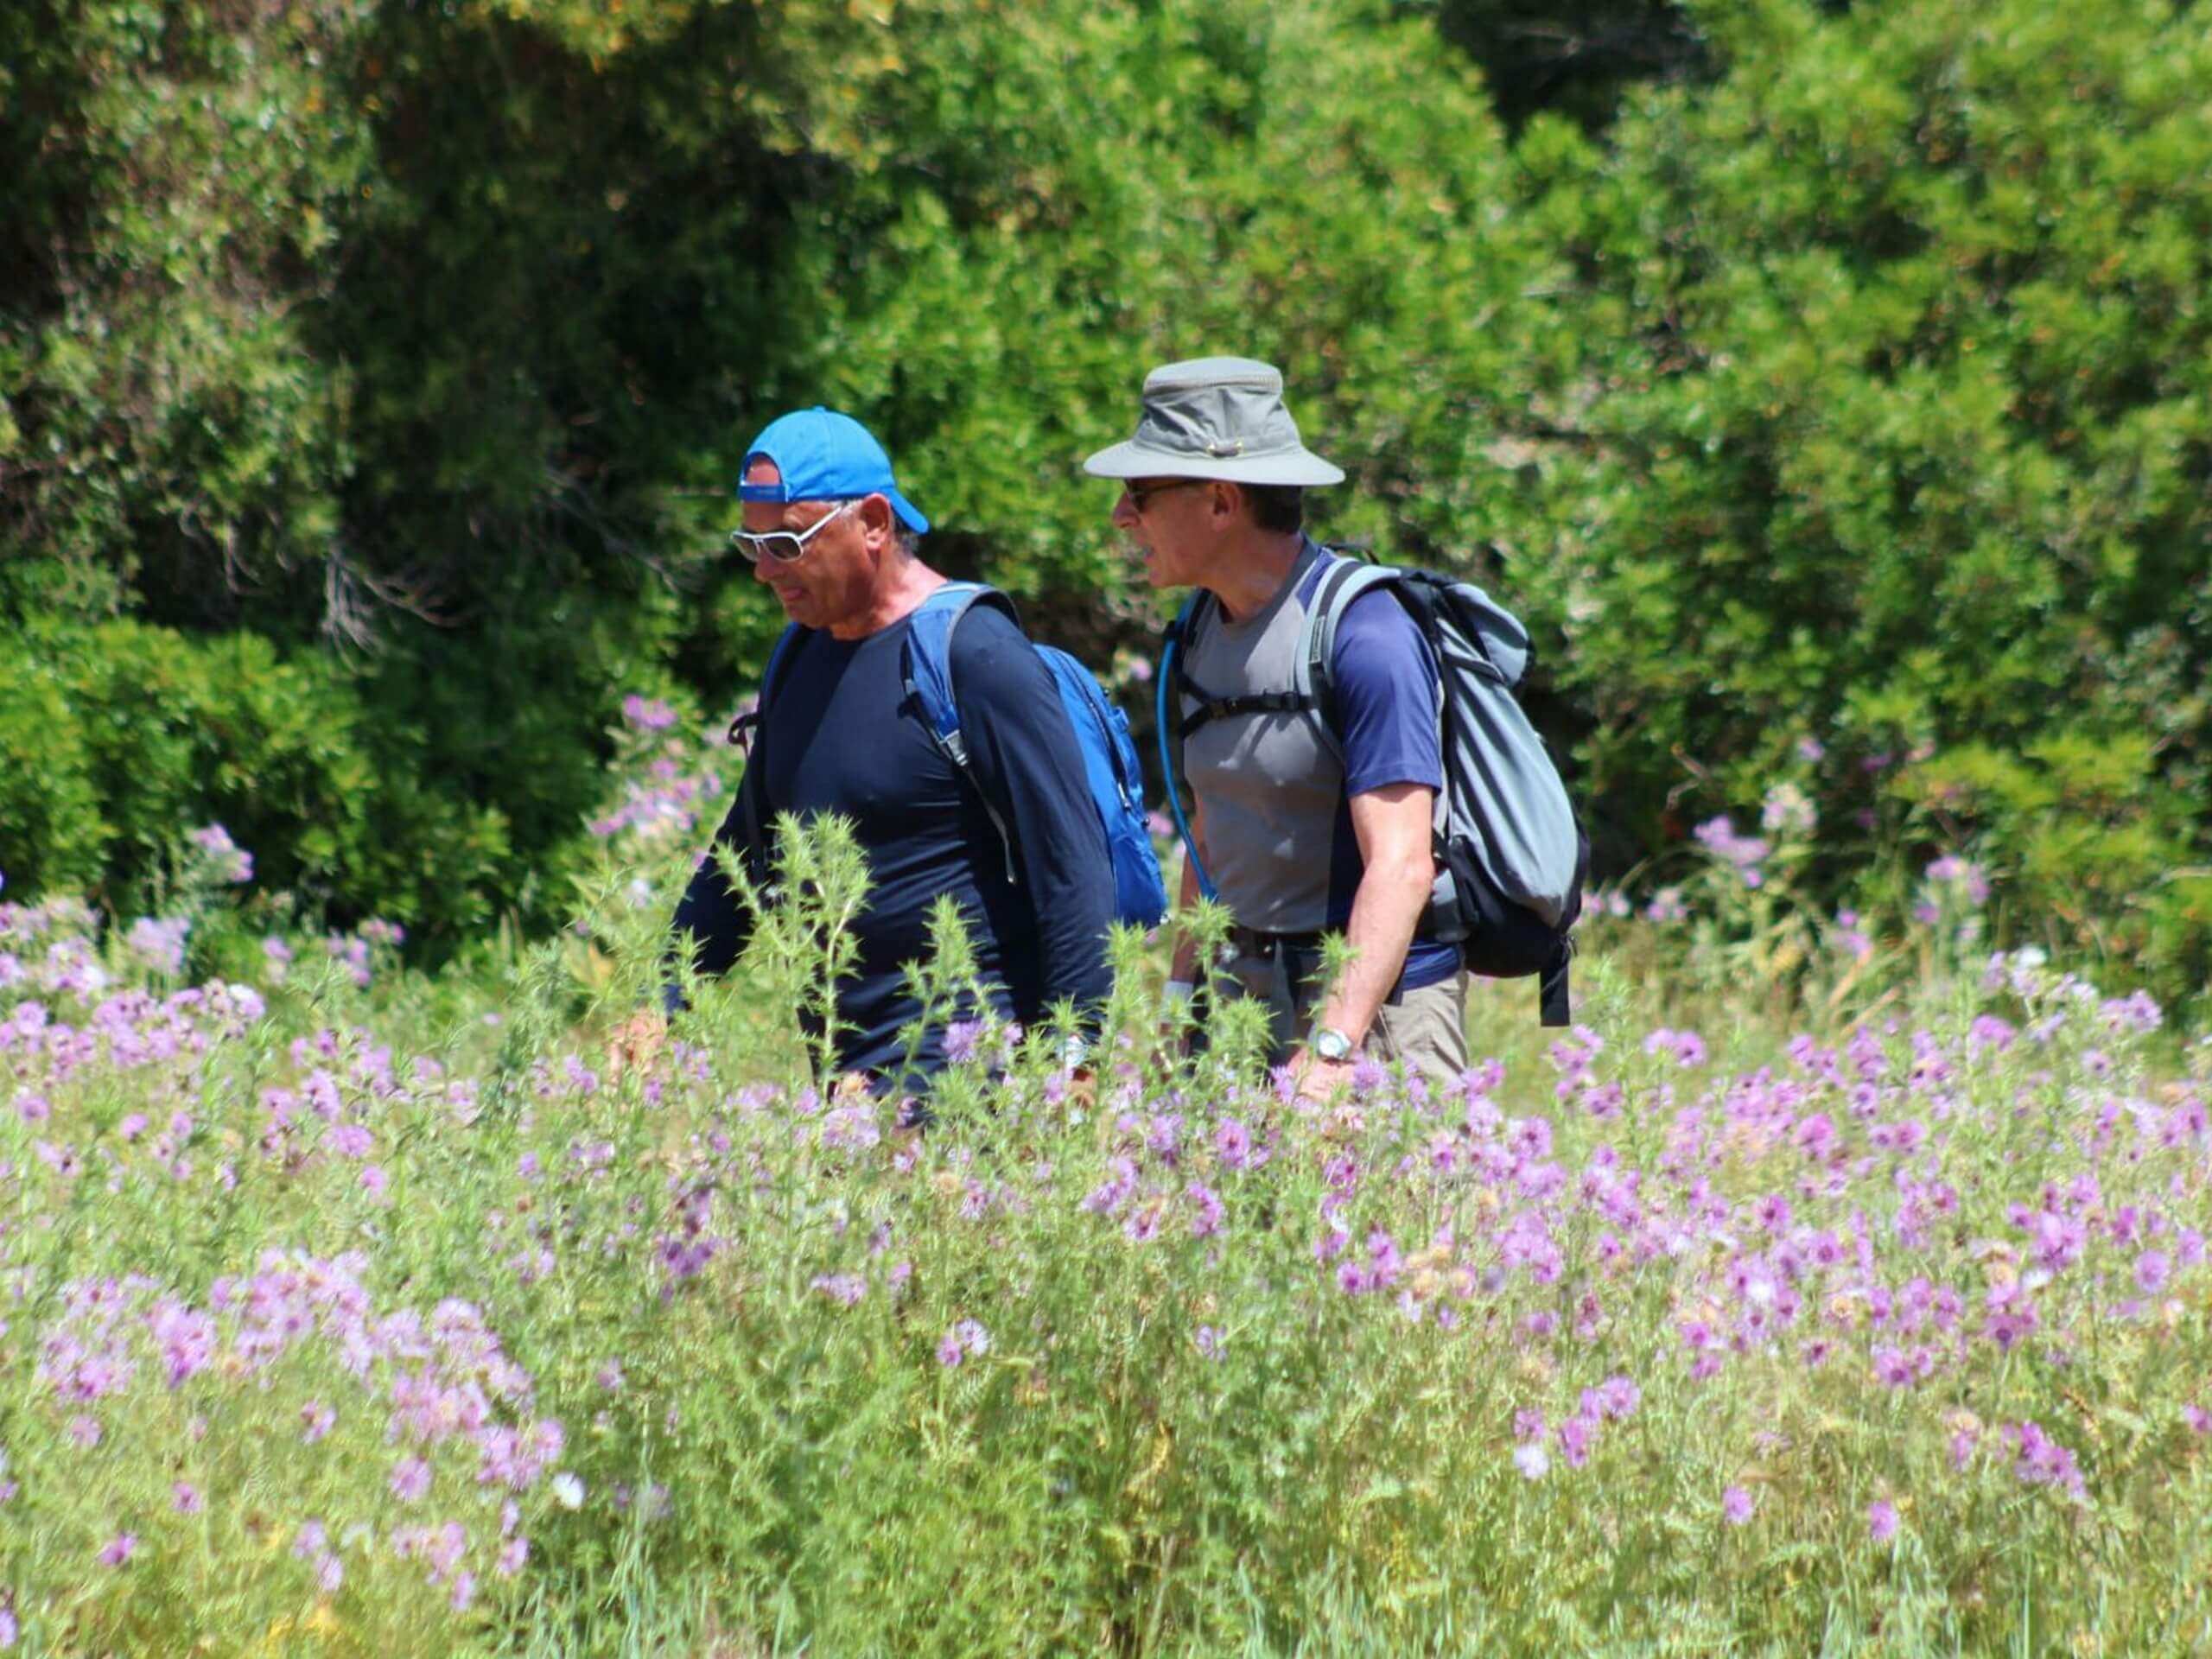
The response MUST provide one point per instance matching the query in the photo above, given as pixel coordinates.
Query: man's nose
(1125, 512)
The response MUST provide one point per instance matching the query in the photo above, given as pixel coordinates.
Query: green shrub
(1896, 437)
(132, 736)
(52, 836)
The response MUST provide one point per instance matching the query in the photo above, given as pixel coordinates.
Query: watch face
(1331, 1045)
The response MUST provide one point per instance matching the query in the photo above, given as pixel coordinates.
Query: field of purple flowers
(1816, 1294)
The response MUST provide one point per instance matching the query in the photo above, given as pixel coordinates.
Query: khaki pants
(1425, 1029)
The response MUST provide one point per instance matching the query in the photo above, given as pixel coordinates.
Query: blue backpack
(1102, 733)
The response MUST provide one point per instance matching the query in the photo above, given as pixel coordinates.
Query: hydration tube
(1167, 763)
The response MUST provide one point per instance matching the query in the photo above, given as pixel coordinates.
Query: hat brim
(1134, 459)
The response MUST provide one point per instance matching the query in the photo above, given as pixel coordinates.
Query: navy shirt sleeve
(712, 914)
(1027, 762)
(1385, 680)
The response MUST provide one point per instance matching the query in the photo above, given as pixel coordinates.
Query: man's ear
(877, 521)
(1223, 500)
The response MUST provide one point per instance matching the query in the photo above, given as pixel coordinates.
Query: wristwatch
(1330, 1044)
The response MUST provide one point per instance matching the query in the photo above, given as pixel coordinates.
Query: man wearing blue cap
(828, 531)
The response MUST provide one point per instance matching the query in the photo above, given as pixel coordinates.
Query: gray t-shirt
(1279, 845)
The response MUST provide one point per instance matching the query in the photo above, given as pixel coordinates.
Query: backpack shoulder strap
(745, 726)
(1210, 706)
(1344, 581)
(1168, 727)
(927, 656)
(744, 733)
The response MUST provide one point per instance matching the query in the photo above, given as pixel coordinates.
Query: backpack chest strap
(1250, 703)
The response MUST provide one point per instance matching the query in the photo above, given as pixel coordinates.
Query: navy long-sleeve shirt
(841, 736)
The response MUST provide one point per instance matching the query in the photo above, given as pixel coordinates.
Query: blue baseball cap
(821, 455)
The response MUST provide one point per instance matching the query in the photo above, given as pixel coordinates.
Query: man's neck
(897, 597)
(1253, 573)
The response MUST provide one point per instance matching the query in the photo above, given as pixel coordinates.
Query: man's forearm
(1385, 910)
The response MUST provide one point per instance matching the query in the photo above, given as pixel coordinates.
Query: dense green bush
(129, 737)
(1849, 386)
(1895, 437)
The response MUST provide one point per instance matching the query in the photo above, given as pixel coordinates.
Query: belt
(1251, 942)
(1287, 953)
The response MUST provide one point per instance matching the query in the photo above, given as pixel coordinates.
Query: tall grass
(394, 1317)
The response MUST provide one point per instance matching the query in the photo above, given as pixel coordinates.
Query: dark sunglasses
(1142, 496)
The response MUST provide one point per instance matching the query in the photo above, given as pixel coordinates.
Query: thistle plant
(393, 1316)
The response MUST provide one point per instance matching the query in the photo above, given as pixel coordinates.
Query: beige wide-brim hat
(1214, 417)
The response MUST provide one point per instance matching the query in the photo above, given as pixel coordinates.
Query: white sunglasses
(785, 546)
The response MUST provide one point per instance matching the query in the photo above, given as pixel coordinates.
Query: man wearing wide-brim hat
(1295, 834)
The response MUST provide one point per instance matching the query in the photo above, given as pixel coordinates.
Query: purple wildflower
(962, 1038)
(1205, 1210)
(1618, 1397)
(1736, 1506)
(410, 1480)
(647, 714)
(1574, 1437)
(1745, 854)
(2152, 1270)
(159, 944)
(226, 860)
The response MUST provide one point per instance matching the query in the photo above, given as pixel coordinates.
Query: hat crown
(823, 455)
(1199, 371)
(1217, 408)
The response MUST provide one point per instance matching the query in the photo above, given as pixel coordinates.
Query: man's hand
(1316, 1079)
(635, 1042)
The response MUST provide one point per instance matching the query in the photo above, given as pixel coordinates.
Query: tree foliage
(1849, 384)
(1899, 432)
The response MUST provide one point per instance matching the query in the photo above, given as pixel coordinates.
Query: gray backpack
(1511, 857)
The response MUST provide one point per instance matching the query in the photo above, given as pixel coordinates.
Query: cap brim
(909, 515)
(1132, 460)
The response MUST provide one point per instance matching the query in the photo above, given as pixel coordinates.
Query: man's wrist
(1327, 1043)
